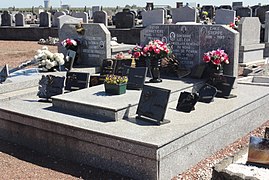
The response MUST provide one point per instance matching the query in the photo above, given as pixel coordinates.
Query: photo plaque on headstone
(187, 101)
(152, 104)
(49, 86)
(207, 93)
(258, 152)
(76, 80)
(136, 77)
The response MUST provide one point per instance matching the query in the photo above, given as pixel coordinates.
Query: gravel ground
(18, 162)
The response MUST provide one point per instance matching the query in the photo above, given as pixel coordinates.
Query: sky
(111, 3)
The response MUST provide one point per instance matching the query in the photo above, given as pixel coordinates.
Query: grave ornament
(152, 104)
(187, 101)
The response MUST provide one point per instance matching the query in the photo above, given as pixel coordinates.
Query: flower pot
(115, 89)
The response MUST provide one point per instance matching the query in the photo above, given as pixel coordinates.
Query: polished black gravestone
(152, 104)
(187, 101)
(136, 77)
(71, 55)
(108, 67)
(224, 85)
(4, 73)
(120, 66)
(50, 85)
(76, 80)
(207, 93)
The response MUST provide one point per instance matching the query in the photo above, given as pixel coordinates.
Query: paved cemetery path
(18, 162)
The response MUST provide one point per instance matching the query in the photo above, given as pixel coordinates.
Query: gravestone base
(249, 53)
(266, 50)
(130, 146)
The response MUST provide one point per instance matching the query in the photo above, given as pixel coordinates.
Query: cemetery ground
(17, 162)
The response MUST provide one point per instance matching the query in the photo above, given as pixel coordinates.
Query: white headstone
(82, 15)
(67, 19)
(54, 18)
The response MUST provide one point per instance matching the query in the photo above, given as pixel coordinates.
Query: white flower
(45, 48)
(48, 54)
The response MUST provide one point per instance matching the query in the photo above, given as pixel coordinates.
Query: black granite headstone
(76, 81)
(124, 20)
(224, 85)
(187, 101)
(50, 85)
(152, 104)
(4, 73)
(207, 93)
(120, 66)
(108, 67)
(96, 80)
(136, 77)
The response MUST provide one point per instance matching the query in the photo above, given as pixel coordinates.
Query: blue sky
(111, 3)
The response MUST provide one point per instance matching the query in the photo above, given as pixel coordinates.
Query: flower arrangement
(119, 56)
(155, 49)
(71, 44)
(115, 79)
(216, 57)
(48, 60)
(235, 24)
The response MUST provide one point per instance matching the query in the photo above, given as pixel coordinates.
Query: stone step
(94, 102)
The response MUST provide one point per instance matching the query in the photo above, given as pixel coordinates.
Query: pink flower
(206, 58)
(136, 54)
(157, 51)
(217, 61)
(145, 49)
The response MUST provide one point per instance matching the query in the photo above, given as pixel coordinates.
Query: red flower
(217, 61)
(206, 58)
(136, 54)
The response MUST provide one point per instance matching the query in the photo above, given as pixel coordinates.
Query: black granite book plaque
(76, 80)
(187, 101)
(207, 93)
(152, 104)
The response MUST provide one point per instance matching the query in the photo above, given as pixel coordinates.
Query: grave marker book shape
(207, 93)
(187, 101)
(152, 104)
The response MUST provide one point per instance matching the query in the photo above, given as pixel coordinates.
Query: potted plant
(115, 85)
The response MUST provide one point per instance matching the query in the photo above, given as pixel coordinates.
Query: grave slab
(95, 102)
(130, 147)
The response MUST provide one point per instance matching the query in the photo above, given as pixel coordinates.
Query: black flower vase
(155, 71)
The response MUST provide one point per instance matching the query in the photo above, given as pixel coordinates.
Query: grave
(67, 19)
(94, 44)
(96, 8)
(184, 14)
(266, 35)
(250, 48)
(190, 42)
(260, 13)
(6, 19)
(19, 19)
(82, 15)
(100, 17)
(244, 12)
(45, 19)
(55, 22)
(237, 5)
(124, 20)
(152, 17)
(224, 16)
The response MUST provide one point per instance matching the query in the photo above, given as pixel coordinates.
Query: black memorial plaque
(258, 152)
(136, 77)
(224, 85)
(120, 66)
(50, 85)
(152, 104)
(198, 71)
(97, 80)
(108, 67)
(187, 101)
(207, 93)
(76, 80)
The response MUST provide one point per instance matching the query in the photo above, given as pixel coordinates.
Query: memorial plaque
(120, 65)
(187, 101)
(76, 80)
(4, 73)
(190, 42)
(96, 79)
(108, 67)
(207, 93)
(258, 152)
(152, 104)
(136, 77)
(50, 85)
(198, 71)
(224, 85)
